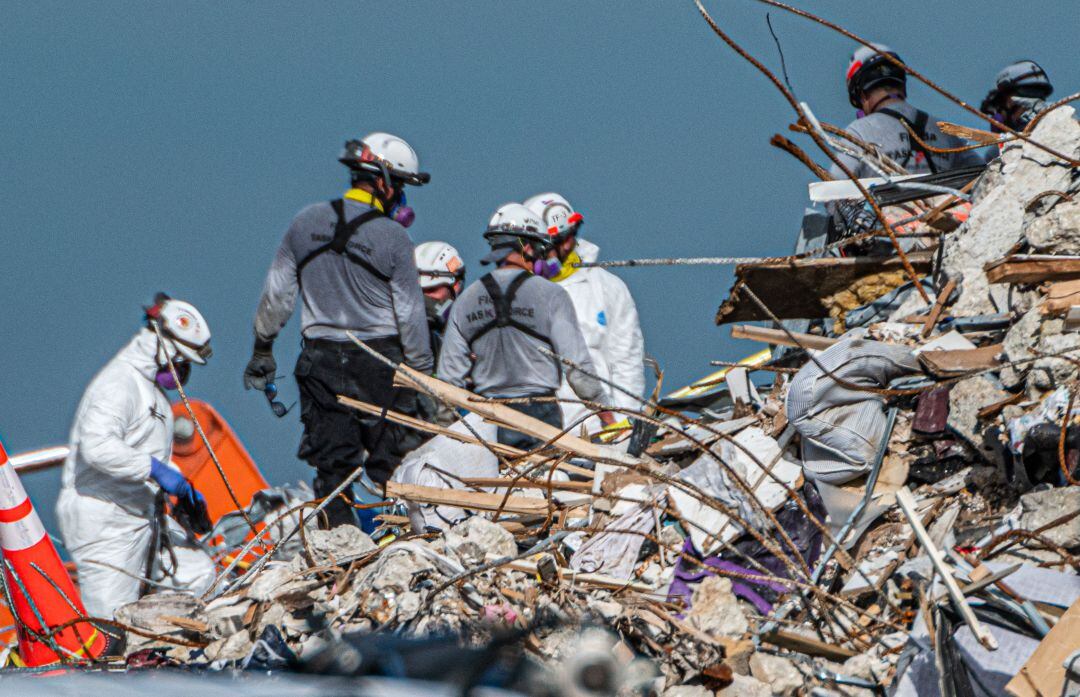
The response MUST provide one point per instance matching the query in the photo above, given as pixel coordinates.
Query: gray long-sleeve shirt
(339, 295)
(892, 139)
(508, 361)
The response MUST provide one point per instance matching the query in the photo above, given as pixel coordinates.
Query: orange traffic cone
(39, 589)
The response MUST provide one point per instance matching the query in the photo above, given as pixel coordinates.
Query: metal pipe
(41, 459)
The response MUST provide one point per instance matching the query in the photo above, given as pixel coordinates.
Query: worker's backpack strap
(503, 303)
(919, 128)
(343, 232)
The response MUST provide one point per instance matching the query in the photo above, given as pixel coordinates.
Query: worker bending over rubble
(442, 278)
(877, 88)
(605, 310)
(352, 263)
(117, 472)
(499, 324)
(1019, 93)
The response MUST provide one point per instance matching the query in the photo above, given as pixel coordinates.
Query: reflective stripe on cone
(39, 586)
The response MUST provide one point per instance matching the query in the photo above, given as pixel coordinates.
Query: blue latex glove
(170, 479)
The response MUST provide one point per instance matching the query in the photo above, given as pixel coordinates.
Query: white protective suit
(106, 503)
(608, 318)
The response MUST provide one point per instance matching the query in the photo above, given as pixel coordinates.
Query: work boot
(337, 512)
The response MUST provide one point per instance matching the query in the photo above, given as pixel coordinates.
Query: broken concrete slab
(343, 544)
(779, 673)
(1041, 507)
(477, 539)
(716, 610)
(745, 686)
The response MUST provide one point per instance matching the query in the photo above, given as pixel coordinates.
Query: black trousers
(337, 437)
(548, 412)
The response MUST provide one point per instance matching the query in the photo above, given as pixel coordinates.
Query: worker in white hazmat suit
(118, 473)
(604, 307)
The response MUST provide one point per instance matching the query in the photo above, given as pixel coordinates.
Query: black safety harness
(919, 128)
(504, 317)
(343, 232)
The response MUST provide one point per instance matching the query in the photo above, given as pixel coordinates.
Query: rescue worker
(442, 278)
(498, 325)
(117, 471)
(877, 88)
(351, 261)
(605, 310)
(1019, 93)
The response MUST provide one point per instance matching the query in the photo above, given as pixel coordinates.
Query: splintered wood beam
(506, 414)
(780, 337)
(1032, 268)
(473, 500)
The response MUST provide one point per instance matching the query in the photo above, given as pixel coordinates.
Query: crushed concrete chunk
(1056, 231)
(343, 543)
(233, 648)
(479, 539)
(966, 398)
(226, 614)
(715, 608)
(777, 672)
(745, 686)
(1041, 507)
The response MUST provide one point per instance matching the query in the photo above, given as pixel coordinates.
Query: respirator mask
(164, 377)
(400, 212)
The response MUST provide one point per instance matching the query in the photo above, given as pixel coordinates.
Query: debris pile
(896, 507)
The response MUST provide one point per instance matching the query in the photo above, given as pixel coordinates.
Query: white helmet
(511, 224)
(183, 328)
(558, 215)
(516, 220)
(384, 154)
(439, 264)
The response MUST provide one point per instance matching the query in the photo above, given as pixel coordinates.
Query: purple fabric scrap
(687, 573)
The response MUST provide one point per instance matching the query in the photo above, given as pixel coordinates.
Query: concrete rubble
(719, 558)
(895, 511)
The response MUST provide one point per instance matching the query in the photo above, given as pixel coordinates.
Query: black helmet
(1024, 78)
(869, 68)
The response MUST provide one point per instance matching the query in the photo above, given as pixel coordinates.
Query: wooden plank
(808, 645)
(427, 427)
(994, 409)
(780, 337)
(1044, 672)
(509, 482)
(939, 305)
(907, 505)
(794, 289)
(967, 133)
(1032, 268)
(959, 362)
(421, 425)
(505, 414)
(473, 500)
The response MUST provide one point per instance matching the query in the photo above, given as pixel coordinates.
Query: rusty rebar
(925, 80)
(908, 268)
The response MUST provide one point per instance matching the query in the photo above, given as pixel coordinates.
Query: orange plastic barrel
(191, 456)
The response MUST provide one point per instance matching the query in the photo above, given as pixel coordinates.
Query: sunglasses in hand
(278, 408)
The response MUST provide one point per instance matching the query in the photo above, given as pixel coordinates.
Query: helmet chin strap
(884, 98)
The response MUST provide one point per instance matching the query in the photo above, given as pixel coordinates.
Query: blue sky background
(152, 146)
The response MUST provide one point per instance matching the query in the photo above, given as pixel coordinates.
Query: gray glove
(262, 366)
